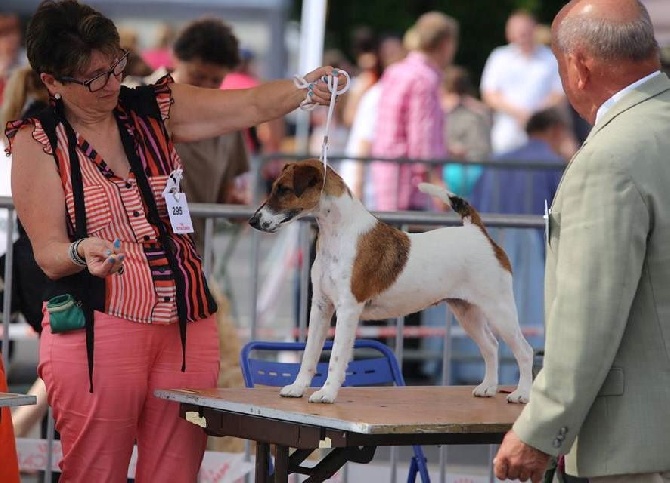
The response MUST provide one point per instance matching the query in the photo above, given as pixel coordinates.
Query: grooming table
(361, 419)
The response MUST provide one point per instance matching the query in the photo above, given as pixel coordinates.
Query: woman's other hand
(102, 257)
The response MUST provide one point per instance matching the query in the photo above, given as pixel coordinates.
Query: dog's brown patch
(468, 213)
(381, 256)
(500, 254)
(300, 185)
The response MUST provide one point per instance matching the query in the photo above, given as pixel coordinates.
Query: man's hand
(517, 460)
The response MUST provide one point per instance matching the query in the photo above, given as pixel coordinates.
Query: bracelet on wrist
(301, 83)
(73, 253)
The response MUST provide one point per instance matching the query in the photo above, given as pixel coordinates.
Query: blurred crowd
(435, 110)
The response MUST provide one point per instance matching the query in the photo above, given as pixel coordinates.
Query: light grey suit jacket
(604, 391)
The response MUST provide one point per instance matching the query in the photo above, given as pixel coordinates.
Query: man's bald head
(606, 29)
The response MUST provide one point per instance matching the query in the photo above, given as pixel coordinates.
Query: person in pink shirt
(243, 77)
(410, 120)
(161, 54)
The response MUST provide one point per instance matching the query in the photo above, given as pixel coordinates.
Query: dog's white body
(427, 279)
(459, 265)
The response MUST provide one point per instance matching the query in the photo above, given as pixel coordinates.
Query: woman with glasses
(96, 184)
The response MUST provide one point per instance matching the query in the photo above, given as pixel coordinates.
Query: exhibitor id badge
(177, 207)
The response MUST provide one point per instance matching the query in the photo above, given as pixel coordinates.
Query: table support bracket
(332, 462)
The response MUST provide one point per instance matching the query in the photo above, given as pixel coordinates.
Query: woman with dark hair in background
(204, 53)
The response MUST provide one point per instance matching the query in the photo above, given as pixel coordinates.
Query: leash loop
(308, 104)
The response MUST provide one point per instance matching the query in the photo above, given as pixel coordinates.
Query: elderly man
(603, 394)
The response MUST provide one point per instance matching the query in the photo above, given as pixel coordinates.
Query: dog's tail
(456, 203)
(468, 214)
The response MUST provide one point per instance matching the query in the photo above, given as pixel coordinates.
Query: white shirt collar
(607, 105)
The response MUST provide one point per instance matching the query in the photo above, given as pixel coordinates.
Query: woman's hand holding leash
(321, 85)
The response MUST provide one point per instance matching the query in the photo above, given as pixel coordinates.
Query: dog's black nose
(255, 221)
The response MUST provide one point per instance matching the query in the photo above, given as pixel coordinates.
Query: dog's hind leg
(343, 348)
(319, 321)
(504, 321)
(473, 321)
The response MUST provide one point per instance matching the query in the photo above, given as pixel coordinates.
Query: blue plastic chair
(378, 369)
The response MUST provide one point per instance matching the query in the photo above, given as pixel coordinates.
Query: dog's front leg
(343, 348)
(319, 321)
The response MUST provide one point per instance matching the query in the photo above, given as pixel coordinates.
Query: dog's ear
(305, 176)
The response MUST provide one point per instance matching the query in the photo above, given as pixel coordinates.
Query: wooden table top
(367, 410)
(12, 399)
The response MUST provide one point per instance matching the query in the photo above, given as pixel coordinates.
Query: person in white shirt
(359, 144)
(518, 80)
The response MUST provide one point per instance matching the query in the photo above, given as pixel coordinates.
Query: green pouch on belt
(65, 314)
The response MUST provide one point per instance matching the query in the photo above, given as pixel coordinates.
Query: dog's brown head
(296, 192)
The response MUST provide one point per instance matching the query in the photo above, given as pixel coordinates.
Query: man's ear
(582, 66)
(305, 176)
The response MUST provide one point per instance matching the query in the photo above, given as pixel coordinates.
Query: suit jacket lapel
(652, 88)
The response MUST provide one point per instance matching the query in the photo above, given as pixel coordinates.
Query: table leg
(281, 464)
(262, 463)
(493, 450)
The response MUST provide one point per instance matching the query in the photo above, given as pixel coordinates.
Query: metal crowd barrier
(214, 212)
(496, 168)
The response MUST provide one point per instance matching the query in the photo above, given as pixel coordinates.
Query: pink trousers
(131, 360)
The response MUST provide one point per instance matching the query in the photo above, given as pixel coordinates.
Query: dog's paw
(292, 390)
(323, 396)
(485, 390)
(518, 397)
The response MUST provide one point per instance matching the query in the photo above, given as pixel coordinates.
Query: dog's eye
(283, 190)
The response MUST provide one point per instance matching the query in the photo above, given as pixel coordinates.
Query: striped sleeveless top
(147, 291)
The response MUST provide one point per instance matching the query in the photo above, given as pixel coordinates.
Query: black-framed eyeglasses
(100, 81)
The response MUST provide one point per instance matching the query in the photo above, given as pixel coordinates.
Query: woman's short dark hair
(457, 80)
(544, 120)
(62, 34)
(209, 40)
